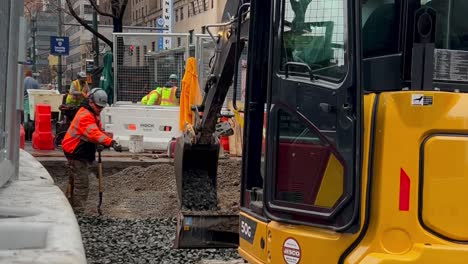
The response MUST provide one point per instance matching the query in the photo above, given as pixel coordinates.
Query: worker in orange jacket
(79, 145)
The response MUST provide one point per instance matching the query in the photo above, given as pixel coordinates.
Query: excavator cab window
(313, 35)
(451, 42)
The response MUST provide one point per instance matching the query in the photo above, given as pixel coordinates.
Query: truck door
(314, 116)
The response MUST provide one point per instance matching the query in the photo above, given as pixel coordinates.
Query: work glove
(116, 146)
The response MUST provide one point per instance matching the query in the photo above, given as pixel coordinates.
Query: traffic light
(130, 50)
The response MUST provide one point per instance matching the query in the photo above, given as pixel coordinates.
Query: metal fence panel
(206, 52)
(142, 63)
(4, 39)
(10, 12)
(206, 58)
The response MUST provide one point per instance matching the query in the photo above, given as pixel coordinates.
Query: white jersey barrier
(157, 124)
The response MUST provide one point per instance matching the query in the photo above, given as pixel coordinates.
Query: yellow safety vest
(73, 99)
(153, 98)
(168, 95)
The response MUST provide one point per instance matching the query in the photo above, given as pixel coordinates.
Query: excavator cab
(356, 124)
(361, 160)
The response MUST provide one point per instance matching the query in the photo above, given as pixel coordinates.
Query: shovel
(99, 181)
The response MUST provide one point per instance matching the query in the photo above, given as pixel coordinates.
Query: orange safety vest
(168, 95)
(84, 133)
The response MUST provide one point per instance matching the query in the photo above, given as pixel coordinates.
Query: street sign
(59, 45)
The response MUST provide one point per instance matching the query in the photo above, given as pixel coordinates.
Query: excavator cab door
(314, 115)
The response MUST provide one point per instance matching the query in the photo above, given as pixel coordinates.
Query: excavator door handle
(287, 65)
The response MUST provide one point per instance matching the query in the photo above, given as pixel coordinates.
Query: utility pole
(59, 73)
(96, 50)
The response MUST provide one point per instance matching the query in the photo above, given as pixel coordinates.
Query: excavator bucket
(200, 223)
(196, 169)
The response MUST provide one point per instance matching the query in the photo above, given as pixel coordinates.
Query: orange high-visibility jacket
(83, 134)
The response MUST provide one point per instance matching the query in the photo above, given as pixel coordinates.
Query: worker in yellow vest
(78, 90)
(153, 98)
(169, 92)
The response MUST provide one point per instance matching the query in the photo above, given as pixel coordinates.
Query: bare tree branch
(95, 6)
(122, 9)
(85, 25)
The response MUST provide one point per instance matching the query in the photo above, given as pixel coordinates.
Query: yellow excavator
(356, 132)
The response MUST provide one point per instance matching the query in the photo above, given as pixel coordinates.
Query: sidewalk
(37, 224)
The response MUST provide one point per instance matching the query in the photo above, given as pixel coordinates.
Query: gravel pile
(139, 209)
(110, 240)
(150, 192)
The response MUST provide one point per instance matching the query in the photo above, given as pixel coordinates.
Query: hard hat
(98, 96)
(173, 76)
(82, 75)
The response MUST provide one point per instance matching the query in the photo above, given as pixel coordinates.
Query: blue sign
(59, 46)
(159, 24)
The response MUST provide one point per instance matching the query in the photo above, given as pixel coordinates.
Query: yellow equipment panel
(444, 191)
(404, 121)
(252, 242)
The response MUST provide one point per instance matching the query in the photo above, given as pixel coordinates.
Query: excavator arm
(229, 45)
(200, 222)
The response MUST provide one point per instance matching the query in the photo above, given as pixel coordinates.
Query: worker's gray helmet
(82, 75)
(174, 76)
(99, 97)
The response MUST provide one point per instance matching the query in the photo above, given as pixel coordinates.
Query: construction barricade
(156, 124)
(42, 138)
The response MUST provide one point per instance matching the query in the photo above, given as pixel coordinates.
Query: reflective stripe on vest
(158, 93)
(169, 96)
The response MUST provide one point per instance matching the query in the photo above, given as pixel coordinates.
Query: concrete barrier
(37, 224)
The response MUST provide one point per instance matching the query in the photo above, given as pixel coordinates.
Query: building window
(212, 4)
(181, 13)
(88, 9)
(176, 15)
(179, 40)
(191, 36)
(203, 29)
(192, 6)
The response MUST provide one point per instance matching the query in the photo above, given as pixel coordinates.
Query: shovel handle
(99, 181)
(100, 171)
